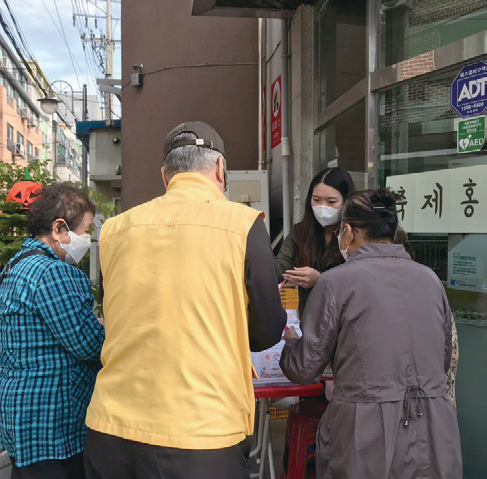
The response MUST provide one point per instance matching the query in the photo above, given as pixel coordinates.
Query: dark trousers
(110, 457)
(70, 468)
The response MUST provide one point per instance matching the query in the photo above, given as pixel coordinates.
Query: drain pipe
(260, 127)
(285, 119)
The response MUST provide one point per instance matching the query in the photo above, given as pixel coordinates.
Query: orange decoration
(24, 192)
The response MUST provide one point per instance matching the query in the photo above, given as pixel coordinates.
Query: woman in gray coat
(384, 322)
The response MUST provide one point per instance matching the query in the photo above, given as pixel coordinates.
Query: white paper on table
(266, 363)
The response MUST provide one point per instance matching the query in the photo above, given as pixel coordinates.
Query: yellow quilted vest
(177, 369)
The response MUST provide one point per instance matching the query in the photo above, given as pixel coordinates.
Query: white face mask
(326, 215)
(345, 253)
(77, 248)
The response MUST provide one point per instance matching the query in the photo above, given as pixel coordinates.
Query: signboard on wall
(471, 134)
(443, 201)
(276, 113)
(469, 90)
(467, 262)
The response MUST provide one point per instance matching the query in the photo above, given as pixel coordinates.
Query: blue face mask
(77, 248)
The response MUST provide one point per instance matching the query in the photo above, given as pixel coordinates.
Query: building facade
(20, 125)
(371, 88)
(193, 69)
(27, 133)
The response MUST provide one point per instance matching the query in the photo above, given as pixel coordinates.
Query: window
(341, 62)
(10, 137)
(36, 153)
(10, 94)
(408, 32)
(30, 150)
(20, 105)
(19, 147)
(417, 128)
(344, 141)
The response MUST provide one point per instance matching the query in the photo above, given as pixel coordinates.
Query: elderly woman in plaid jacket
(50, 340)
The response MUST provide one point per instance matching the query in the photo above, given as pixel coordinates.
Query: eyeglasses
(339, 230)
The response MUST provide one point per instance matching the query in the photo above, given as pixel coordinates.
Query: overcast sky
(42, 24)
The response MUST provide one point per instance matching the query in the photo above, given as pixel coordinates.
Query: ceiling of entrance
(248, 8)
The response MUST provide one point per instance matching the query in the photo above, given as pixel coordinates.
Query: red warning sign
(276, 113)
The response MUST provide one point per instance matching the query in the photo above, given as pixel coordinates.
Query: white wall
(105, 152)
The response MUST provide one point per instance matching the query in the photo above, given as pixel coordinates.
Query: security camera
(116, 140)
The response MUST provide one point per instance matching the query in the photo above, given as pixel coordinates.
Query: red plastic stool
(264, 443)
(300, 445)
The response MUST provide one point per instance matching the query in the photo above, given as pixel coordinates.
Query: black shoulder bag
(12, 263)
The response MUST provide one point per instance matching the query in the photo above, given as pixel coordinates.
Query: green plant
(13, 217)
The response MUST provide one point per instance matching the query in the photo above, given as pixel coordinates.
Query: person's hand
(101, 321)
(290, 333)
(305, 277)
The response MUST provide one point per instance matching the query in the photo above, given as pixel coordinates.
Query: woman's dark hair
(312, 250)
(402, 238)
(374, 212)
(59, 200)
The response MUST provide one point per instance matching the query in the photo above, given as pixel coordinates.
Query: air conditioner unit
(19, 150)
(24, 113)
(388, 5)
(31, 122)
(4, 62)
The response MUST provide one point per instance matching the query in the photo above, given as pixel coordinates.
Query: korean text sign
(443, 201)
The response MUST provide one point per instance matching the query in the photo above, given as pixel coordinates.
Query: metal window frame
(462, 51)
(361, 91)
(455, 54)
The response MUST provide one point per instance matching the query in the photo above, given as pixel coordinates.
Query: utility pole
(102, 43)
(84, 158)
(109, 60)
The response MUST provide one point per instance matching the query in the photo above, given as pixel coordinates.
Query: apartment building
(27, 133)
(20, 124)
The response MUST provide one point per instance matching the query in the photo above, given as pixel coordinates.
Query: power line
(60, 30)
(10, 35)
(79, 12)
(19, 31)
(66, 42)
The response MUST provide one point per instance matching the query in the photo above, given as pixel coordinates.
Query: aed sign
(469, 90)
(471, 134)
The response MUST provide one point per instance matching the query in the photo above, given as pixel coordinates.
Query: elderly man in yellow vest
(190, 288)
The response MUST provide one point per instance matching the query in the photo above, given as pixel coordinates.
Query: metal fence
(432, 252)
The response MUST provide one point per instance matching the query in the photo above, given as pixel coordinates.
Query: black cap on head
(206, 137)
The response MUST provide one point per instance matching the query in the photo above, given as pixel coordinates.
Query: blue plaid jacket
(50, 341)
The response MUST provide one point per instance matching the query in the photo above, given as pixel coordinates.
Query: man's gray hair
(190, 157)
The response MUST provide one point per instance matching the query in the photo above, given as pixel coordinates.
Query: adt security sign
(469, 90)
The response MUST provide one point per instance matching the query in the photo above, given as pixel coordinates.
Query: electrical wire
(67, 44)
(16, 47)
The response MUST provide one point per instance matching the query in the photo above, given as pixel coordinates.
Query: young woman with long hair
(310, 248)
